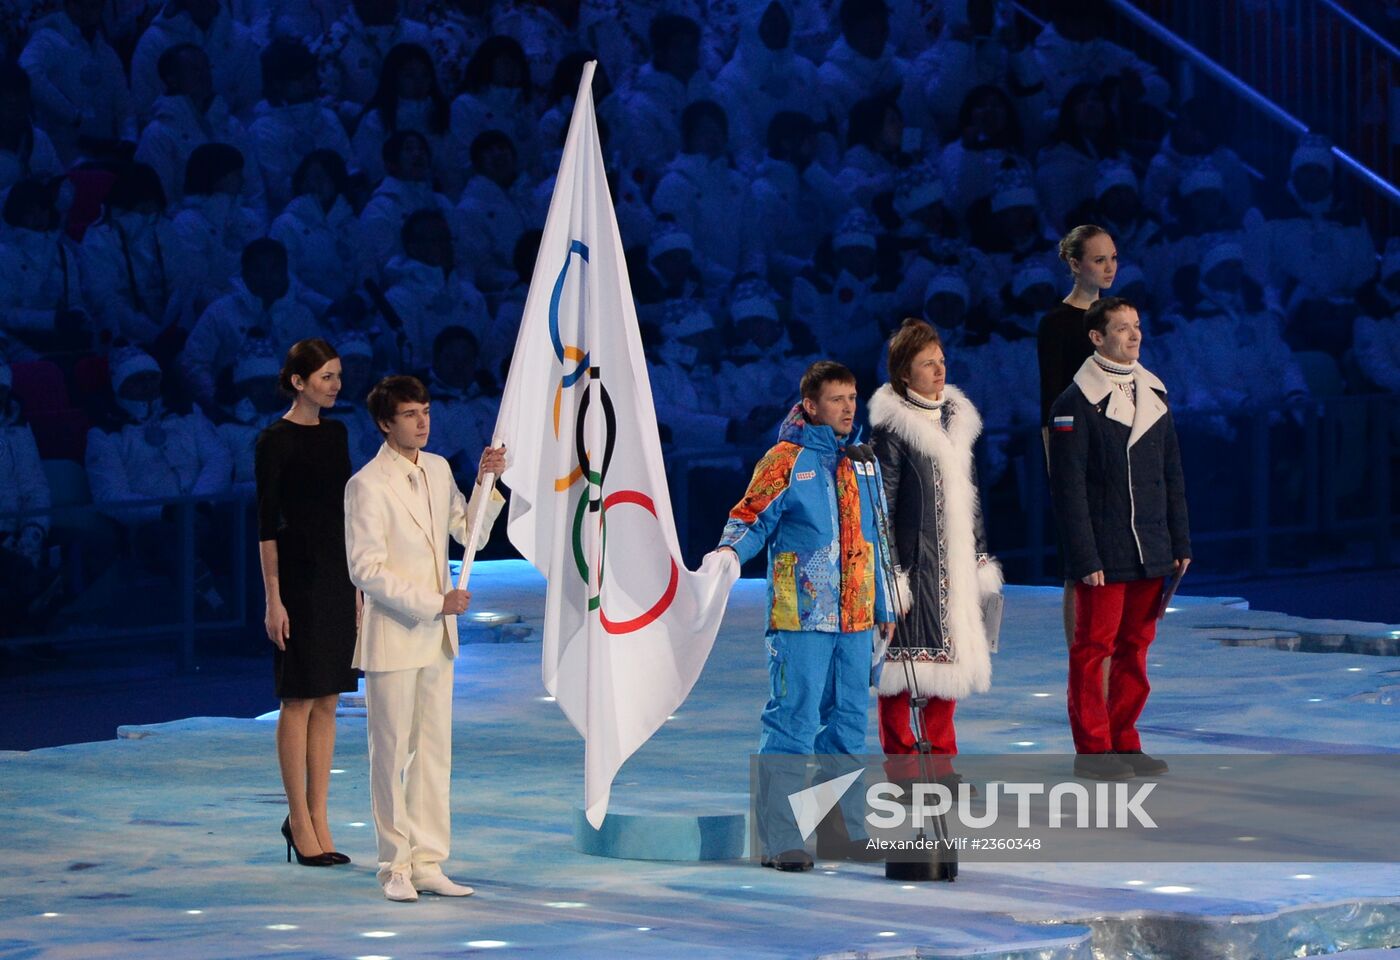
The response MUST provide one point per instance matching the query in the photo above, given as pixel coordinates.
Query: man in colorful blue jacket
(813, 502)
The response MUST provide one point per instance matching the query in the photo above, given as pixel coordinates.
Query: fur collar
(1149, 408)
(963, 424)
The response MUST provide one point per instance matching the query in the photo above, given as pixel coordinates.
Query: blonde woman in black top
(1062, 342)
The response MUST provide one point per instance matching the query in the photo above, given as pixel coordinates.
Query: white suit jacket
(399, 559)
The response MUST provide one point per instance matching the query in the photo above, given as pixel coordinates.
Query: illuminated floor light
(50, 914)
(566, 904)
(1302, 876)
(886, 933)
(336, 770)
(378, 934)
(547, 700)
(288, 926)
(1040, 695)
(374, 956)
(829, 873)
(1172, 609)
(908, 886)
(357, 823)
(487, 944)
(1246, 839)
(1172, 889)
(643, 929)
(671, 717)
(1353, 669)
(746, 886)
(1314, 699)
(194, 913)
(1024, 743)
(1136, 883)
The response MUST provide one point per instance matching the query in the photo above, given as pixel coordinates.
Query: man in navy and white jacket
(1120, 499)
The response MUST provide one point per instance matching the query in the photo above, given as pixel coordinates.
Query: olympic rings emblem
(668, 596)
(587, 503)
(565, 354)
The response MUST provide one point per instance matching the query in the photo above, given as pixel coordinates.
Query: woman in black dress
(1062, 342)
(302, 465)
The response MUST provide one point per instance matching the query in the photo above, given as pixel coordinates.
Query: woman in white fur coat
(923, 430)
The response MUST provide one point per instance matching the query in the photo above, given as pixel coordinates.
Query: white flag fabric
(627, 628)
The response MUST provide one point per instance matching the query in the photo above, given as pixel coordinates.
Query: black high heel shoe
(337, 857)
(318, 860)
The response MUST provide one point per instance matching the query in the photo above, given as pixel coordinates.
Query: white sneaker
(399, 887)
(435, 881)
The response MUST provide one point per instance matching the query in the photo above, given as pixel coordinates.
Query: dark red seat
(39, 387)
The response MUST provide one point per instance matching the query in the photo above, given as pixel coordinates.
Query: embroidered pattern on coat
(784, 613)
(947, 652)
(770, 478)
(857, 570)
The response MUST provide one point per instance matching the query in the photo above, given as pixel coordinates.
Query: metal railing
(1279, 70)
(1267, 489)
(1313, 58)
(129, 571)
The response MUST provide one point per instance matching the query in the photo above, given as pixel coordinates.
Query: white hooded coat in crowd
(121, 248)
(493, 218)
(650, 116)
(23, 485)
(38, 275)
(710, 201)
(381, 221)
(949, 69)
(370, 135)
(79, 88)
(352, 53)
(793, 211)
(177, 127)
(848, 77)
(209, 232)
(428, 301)
(284, 135)
(325, 252)
(233, 59)
(759, 82)
(37, 158)
(1064, 63)
(495, 108)
(222, 330)
(165, 456)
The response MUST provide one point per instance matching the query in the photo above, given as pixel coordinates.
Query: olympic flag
(627, 628)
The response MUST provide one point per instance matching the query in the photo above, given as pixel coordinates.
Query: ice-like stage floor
(163, 843)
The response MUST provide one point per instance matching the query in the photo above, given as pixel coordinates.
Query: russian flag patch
(1062, 425)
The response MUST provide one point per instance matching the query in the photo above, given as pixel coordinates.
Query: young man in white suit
(400, 508)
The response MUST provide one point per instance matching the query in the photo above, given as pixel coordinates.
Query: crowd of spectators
(191, 186)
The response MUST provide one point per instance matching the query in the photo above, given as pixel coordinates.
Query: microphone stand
(943, 863)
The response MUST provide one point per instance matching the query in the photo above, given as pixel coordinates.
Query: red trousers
(897, 736)
(1117, 620)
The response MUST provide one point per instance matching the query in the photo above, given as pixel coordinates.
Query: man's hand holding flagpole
(487, 482)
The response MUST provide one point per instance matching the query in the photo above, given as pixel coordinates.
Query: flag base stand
(936, 866)
(668, 826)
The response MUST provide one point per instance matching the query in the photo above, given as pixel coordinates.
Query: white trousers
(410, 764)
